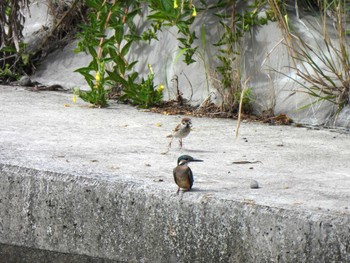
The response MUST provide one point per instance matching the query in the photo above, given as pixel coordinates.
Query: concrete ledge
(92, 183)
(124, 221)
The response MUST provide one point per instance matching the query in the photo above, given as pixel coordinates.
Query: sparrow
(181, 130)
(183, 175)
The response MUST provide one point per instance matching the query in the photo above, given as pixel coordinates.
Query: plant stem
(99, 53)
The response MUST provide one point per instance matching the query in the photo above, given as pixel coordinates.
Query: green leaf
(131, 65)
(113, 54)
(131, 15)
(182, 51)
(203, 37)
(92, 3)
(120, 64)
(117, 78)
(92, 51)
(8, 49)
(132, 77)
(119, 33)
(126, 48)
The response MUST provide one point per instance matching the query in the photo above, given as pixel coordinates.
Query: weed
(12, 56)
(322, 69)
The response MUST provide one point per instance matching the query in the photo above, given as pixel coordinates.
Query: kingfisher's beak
(196, 160)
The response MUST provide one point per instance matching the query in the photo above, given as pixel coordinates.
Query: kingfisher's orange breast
(181, 177)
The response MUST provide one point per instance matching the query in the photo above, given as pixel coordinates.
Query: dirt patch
(214, 111)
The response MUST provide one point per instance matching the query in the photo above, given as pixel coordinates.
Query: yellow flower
(194, 13)
(160, 88)
(98, 77)
(74, 99)
(175, 4)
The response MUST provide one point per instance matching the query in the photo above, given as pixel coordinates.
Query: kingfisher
(183, 175)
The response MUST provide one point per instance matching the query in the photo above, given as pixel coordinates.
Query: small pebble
(254, 184)
(158, 180)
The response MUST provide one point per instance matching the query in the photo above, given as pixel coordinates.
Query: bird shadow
(198, 151)
(197, 190)
(190, 150)
(195, 150)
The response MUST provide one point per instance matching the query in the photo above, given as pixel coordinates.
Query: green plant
(97, 95)
(112, 49)
(116, 17)
(12, 56)
(246, 100)
(169, 13)
(7, 73)
(145, 94)
(234, 27)
(108, 17)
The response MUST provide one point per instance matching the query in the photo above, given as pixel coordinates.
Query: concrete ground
(303, 175)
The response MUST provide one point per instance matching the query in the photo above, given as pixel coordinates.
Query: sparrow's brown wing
(177, 128)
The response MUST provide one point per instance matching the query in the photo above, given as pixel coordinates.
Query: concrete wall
(124, 221)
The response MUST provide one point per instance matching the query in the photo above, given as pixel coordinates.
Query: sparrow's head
(184, 159)
(186, 122)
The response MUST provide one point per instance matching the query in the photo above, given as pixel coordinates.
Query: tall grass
(322, 68)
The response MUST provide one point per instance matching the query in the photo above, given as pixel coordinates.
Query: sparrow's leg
(180, 141)
(169, 146)
(178, 190)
